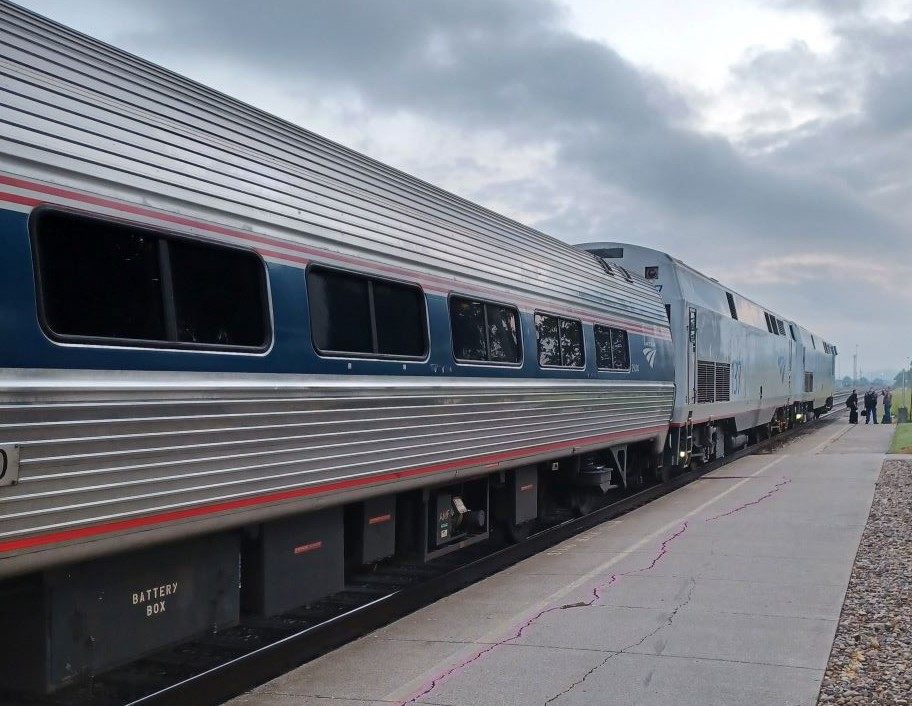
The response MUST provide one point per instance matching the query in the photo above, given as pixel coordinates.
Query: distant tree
(847, 381)
(863, 381)
(903, 377)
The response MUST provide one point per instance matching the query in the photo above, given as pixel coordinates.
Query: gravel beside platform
(871, 660)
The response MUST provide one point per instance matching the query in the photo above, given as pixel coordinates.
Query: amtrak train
(240, 360)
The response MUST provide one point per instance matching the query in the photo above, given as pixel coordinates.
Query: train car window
(620, 349)
(560, 342)
(651, 272)
(122, 284)
(549, 349)
(731, 305)
(468, 328)
(503, 334)
(340, 318)
(98, 279)
(353, 314)
(571, 338)
(612, 350)
(399, 319)
(484, 331)
(218, 294)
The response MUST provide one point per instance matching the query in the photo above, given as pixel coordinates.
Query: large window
(120, 284)
(352, 314)
(612, 350)
(484, 331)
(560, 342)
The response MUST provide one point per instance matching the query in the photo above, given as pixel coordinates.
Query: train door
(691, 355)
(791, 390)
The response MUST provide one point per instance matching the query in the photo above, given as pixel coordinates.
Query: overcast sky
(765, 142)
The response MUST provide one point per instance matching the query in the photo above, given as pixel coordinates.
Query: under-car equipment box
(85, 618)
(293, 561)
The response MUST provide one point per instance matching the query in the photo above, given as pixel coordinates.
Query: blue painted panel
(24, 344)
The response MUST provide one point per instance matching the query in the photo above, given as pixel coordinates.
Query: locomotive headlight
(799, 416)
(683, 454)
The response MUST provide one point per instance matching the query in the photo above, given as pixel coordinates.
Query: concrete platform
(727, 591)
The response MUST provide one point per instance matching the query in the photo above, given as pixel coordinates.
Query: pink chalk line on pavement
(598, 592)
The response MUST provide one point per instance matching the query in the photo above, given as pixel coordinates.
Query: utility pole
(855, 367)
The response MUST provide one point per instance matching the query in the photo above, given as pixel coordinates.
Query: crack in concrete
(598, 590)
(597, 593)
(667, 622)
(776, 488)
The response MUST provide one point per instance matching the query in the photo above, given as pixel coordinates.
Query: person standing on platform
(852, 404)
(870, 406)
(888, 406)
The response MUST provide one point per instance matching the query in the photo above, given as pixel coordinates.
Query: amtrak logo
(649, 350)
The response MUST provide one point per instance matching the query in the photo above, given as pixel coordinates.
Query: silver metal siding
(104, 447)
(98, 447)
(112, 124)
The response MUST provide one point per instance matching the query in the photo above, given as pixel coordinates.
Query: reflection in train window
(612, 348)
(484, 331)
(560, 342)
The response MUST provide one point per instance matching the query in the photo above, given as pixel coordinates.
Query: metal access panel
(292, 562)
(525, 494)
(378, 529)
(80, 620)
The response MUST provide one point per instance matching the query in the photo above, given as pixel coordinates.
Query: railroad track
(223, 665)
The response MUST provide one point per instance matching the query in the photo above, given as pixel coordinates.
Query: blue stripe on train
(24, 345)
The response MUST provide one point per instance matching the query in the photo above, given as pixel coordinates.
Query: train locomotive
(742, 371)
(239, 360)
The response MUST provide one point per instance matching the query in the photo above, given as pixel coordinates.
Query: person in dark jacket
(870, 406)
(852, 404)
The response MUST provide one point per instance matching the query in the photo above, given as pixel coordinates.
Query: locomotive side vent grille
(706, 377)
(713, 381)
(723, 382)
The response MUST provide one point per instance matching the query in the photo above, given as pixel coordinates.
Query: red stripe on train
(240, 504)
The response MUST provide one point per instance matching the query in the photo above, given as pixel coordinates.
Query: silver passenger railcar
(226, 333)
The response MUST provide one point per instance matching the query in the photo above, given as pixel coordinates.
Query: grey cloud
(830, 7)
(509, 66)
(626, 165)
